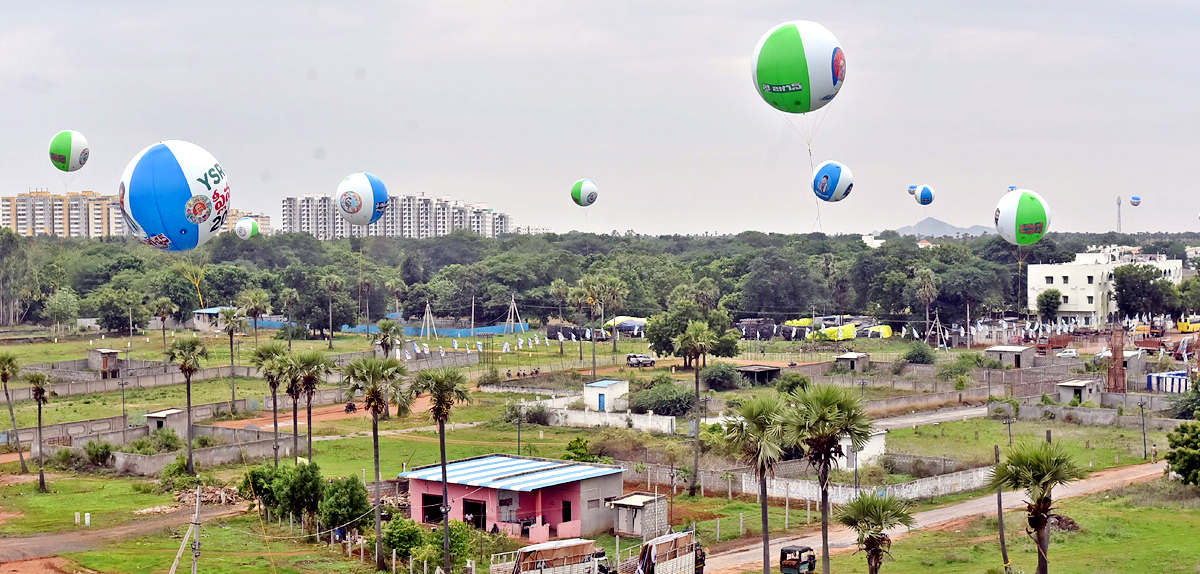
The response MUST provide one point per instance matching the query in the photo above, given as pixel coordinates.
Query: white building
(411, 216)
(532, 230)
(1086, 284)
(600, 395)
(873, 243)
(73, 214)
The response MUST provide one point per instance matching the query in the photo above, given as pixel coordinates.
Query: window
(1090, 299)
(1065, 279)
(1091, 279)
(594, 503)
(1066, 299)
(1049, 280)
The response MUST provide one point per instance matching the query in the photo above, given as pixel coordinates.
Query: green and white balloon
(245, 228)
(68, 150)
(583, 193)
(1022, 217)
(798, 67)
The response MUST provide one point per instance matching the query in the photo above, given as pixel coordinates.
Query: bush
(837, 369)
(723, 377)
(68, 460)
(205, 441)
(920, 354)
(533, 414)
(789, 382)
(577, 405)
(952, 371)
(98, 453)
(160, 441)
(1016, 405)
(403, 535)
(1047, 401)
(637, 383)
(175, 476)
(1089, 405)
(899, 366)
(256, 485)
(961, 382)
(299, 332)
(490, 377)
(344, 502)
(669, 400)
(578, 450)
(298, 489)
(1074, 402)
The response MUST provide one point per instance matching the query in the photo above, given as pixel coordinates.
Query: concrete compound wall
(143, 382)
(1130, 401)
(70, 429)
(1087, 416)
(152, 465)
(505, 388)
(589, 419)
(925, 401)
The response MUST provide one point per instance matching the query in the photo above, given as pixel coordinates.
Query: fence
(1088, 416)
(59, 431)
(589, 419)
(140, 382)
(925, 401)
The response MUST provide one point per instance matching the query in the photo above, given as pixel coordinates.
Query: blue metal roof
(604, 383)
(510, 473)
(211, 310)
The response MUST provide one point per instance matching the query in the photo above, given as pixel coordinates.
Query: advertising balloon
(1022, 217)
(68, 150)
(798, 67)
(912, 190)
(1135, 201)
(832, 181)
(174, 195)
(923, 194)
(245, 228)
(583, 193)
(361, 199)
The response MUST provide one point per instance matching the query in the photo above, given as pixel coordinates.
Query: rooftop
(756, 368)
(164, 412)
(1079, 384)
(1008, 349)
(211, 310)
(636, 499)
(851, 355)
(506, 472)
(604, 383)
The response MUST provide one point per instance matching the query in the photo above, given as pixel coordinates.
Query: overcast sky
(510, 102)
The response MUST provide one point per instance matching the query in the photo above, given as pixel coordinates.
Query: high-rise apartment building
(412, 216)
(71, 214)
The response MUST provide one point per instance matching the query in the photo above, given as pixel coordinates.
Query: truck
(1047, 343)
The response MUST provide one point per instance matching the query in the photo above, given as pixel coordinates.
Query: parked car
(636, 360)
(1068, 354)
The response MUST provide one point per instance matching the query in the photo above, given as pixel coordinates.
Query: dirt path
(43, 545)
(320, 414)
(842, 540)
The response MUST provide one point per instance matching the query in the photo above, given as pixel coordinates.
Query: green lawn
(959, 440)
(230, 547)
(110, 500)
(218, 347)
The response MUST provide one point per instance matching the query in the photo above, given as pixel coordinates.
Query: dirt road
(750, 557)
(930, 417)
(320, 414)
(43, 545)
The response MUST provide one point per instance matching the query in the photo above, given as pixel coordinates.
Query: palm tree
(696, 341)
(1038, 468)
(560, 292)
(595, 292)
(395, 285)
(9, 368)
(390, 336)
(290, 298)
(819, 418)
(446, 388)
(331, 284)
(269, 359)
(613, 292)
(927, 291)
(376, 379)
(311, 367)
(871, 515)
(756, 434)
(163, 308)
(39, 390)
(291, 374)
(255, 303)
(188, 353)
(232, 320)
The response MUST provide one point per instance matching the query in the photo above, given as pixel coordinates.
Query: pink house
(535, 498)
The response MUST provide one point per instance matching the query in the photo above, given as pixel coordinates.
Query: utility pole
(1009, 422)
(1142, 407)
(1000, 517)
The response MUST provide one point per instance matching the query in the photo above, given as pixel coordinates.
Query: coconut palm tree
(560, 292)
(871, 515)
(187, 353)
(377, 380)
(390, 336)
(269, 359)
(696, 341)
(232, 320)
(596, 292)
(311, 367)
(395, 285)
(817, 420)
(756, 434)
(925, 282)
(10, 368)
(163, 308)
(1037, 467)
(39, 391)
(290, 298)
(446, 388)
(331, 284)
(255, 303)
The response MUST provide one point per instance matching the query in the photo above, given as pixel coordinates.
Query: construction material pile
(209, 496)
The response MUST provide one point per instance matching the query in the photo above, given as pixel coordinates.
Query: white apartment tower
(410, 216)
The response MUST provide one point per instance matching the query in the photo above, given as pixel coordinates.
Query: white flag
(441, 350)
(407, 357)
(536, 340)
(506, 348)
(479, 346)
(520, 343)
(455, 344)
(573, 336)
(588, 334)
(425, 346)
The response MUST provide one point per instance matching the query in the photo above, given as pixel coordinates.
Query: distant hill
(930, 227)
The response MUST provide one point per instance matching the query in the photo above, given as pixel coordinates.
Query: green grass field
(959, 440)
(484, 407)
(110, 500)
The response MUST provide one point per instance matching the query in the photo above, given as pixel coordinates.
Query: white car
(1068, 354)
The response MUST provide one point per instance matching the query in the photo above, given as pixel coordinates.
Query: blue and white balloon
(1135, 201)
(832, 181)
(923, 194)
(912, 190)
(174, 195)
(361, 199)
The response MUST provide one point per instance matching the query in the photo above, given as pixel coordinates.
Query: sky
(509, 103)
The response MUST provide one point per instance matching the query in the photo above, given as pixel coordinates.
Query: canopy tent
(553, 554)
(881, 331)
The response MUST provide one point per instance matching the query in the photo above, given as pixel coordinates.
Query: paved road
(750, 557)
(930, 417)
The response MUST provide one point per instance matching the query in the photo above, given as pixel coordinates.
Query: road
(930, 417)
(750, 557)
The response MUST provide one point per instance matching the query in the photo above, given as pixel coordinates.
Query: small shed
(1015, 356)
(174, 419)
(1135, 362)
(640, 514)
(601, 395)
(104, 361)
(1169, 382)
(871, 452)
(207, 319)
(1084, 390)
(758, 374)
(854, 362)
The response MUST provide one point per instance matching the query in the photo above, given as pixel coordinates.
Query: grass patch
(110, 500)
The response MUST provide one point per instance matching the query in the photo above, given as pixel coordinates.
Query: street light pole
(1142, 407)
(1009, 422)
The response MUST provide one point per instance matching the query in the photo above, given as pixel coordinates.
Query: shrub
(837, 369)
(920, 354)
(577, 405)
(489, 377)
(344, 503)
(1016, 405)
(298, 489)
(1089, 405)
(256, 485)
(98, 453)
(299, 332)
(205, 441)
(723, 377)
(534, 414)
(1074, 402)
(789, 382)
(1047, 401)
(669, 400)
(175, 476)
(961, 382)
(899, 366)
(637, 383)
(160, 441)
(67, 459)
(403, 535)
(579, 450)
